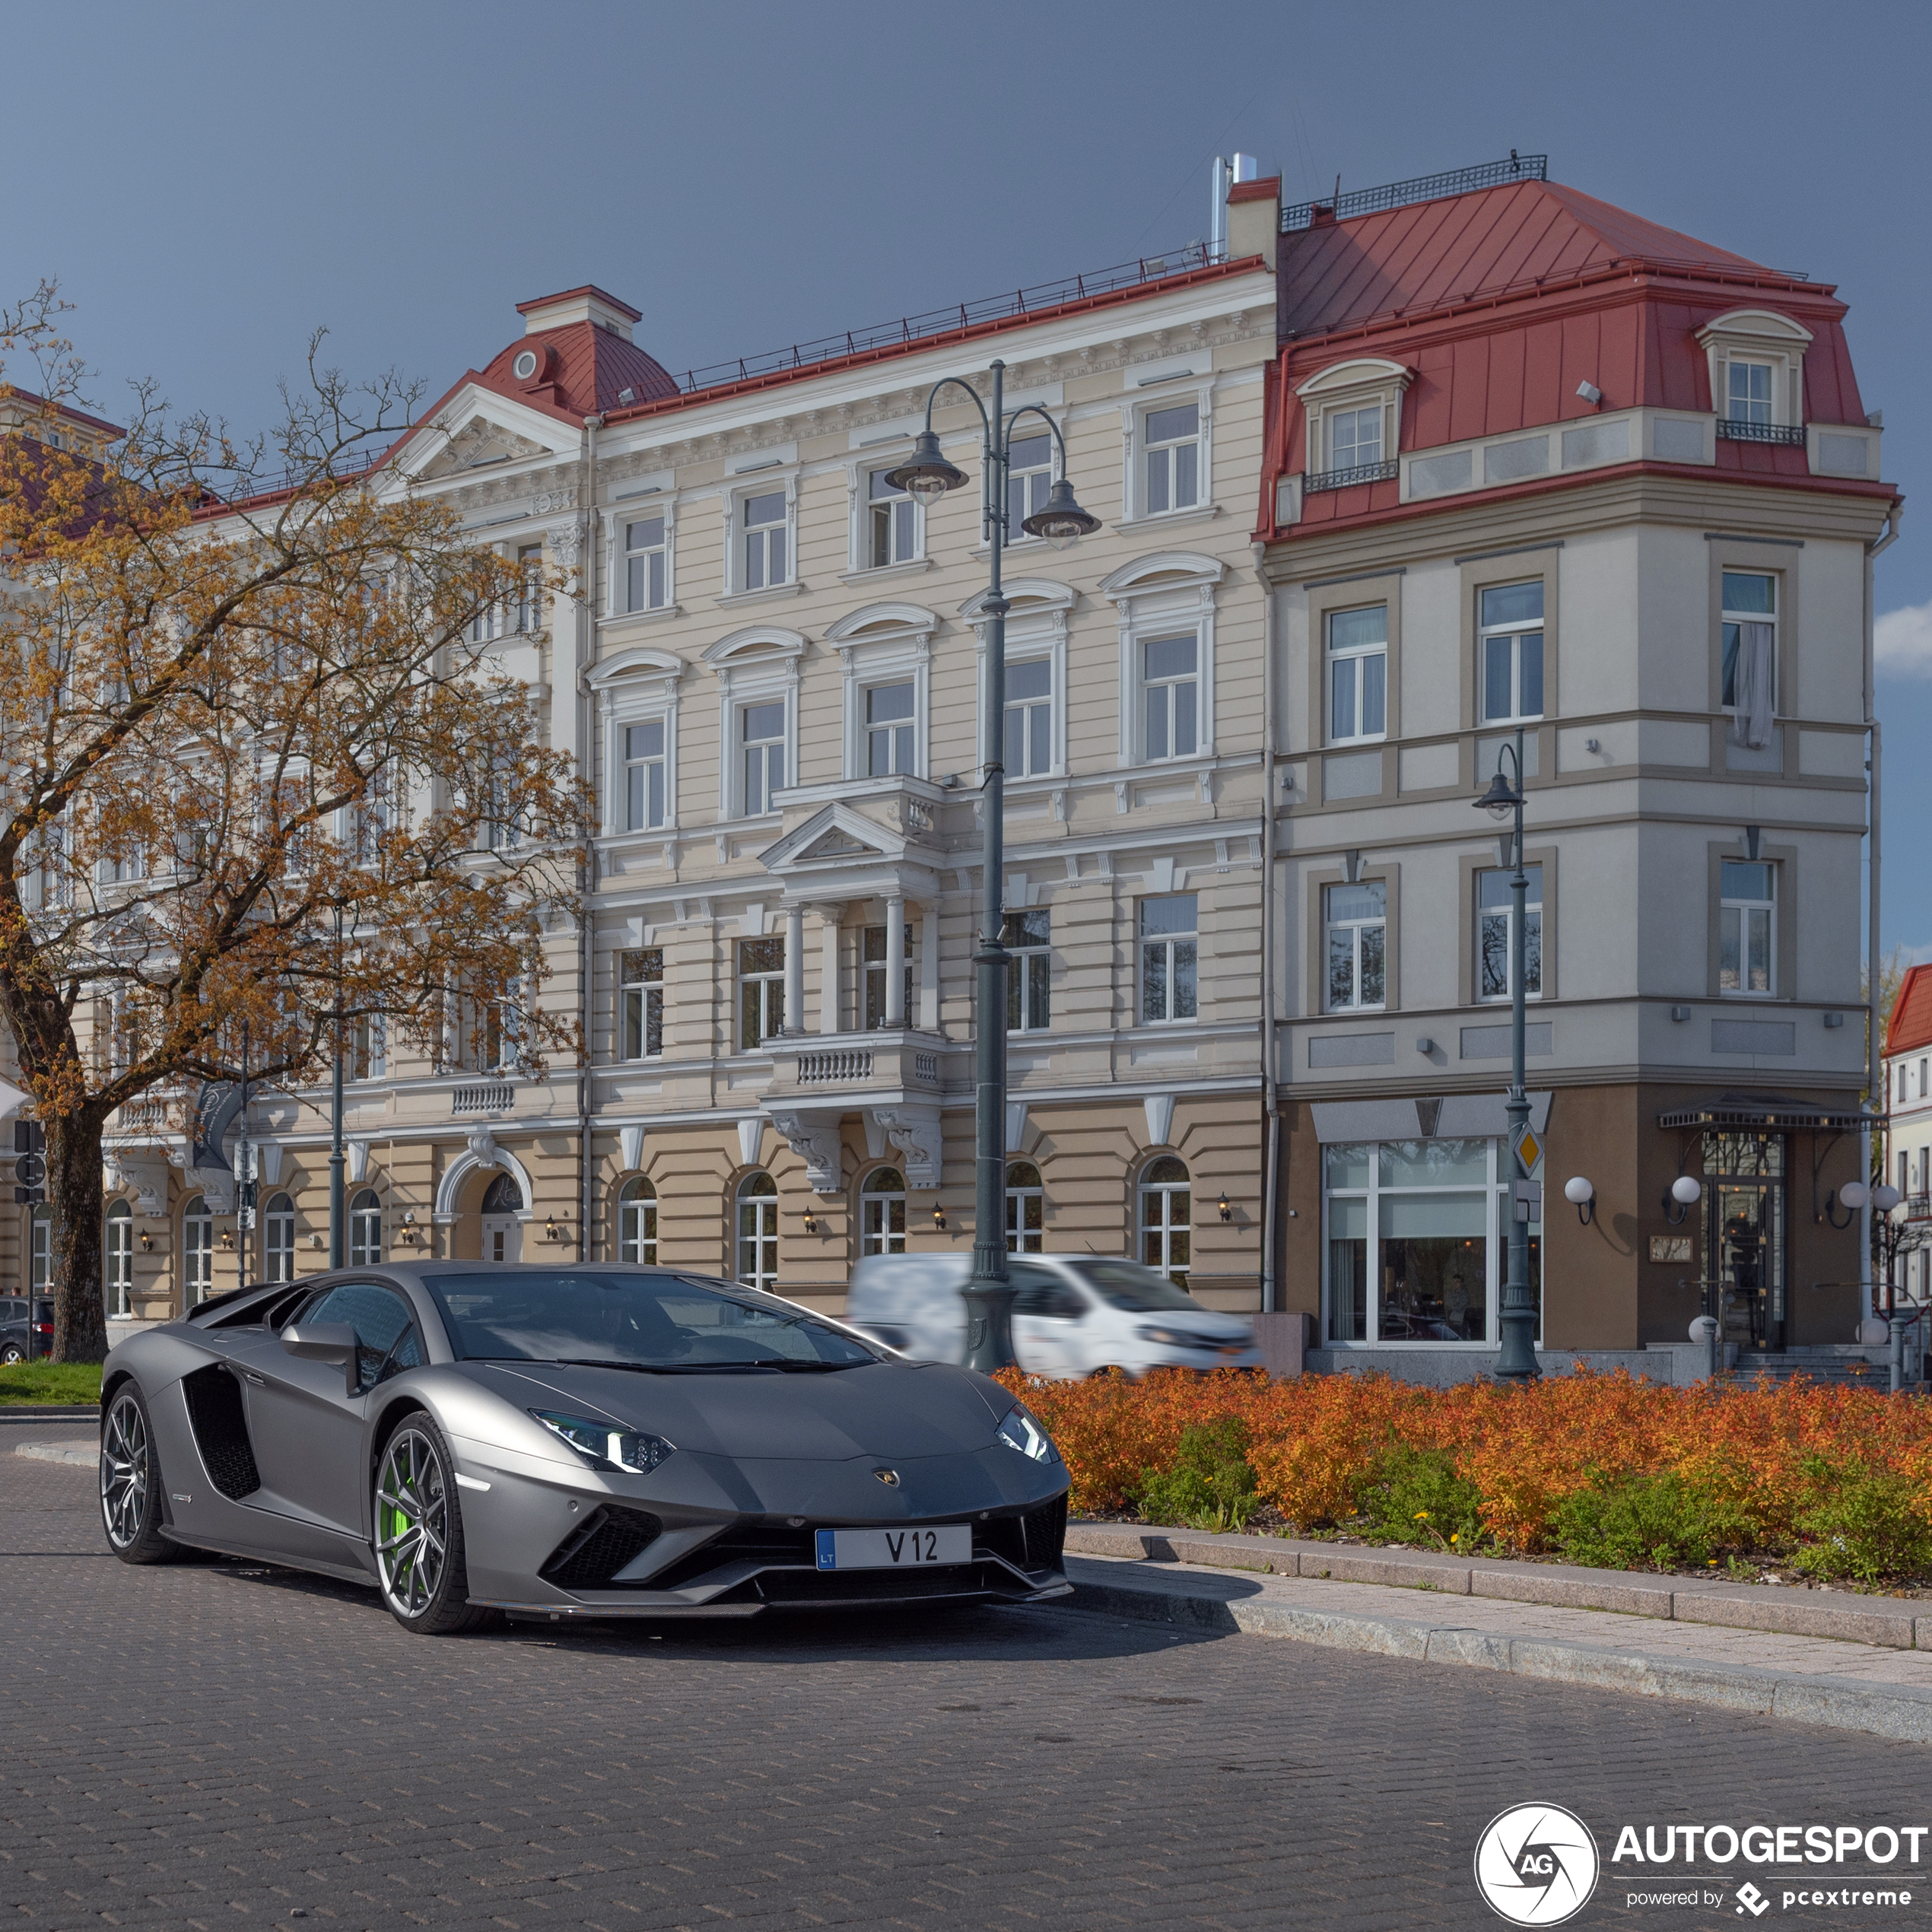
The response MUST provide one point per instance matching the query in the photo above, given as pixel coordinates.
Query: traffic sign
(1527, 1148)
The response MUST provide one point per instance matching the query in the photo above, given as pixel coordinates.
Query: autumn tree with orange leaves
(253, 773)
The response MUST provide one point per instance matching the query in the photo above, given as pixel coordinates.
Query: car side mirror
(333, 1342)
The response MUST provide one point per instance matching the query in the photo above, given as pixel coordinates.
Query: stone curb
(1892, 1624)
(83, 1455)
(1211, 1605)
(49, 1412)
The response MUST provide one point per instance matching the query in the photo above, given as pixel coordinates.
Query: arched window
(637, 1222)
(365, 1230)
(758, 1232)
(503, 1195)
(882, 1212)
(278, 1239)
(197, 1252)
(1166, 1216)
(1026, 1209)
(120, 1260)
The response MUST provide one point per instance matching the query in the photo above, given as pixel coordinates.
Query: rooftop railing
(1423, 188)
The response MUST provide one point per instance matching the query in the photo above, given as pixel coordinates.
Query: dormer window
(1354, 416)
(1355, 438)
(1756, 359)
(1750, 401)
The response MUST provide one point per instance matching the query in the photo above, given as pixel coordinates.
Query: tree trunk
(74, 1200)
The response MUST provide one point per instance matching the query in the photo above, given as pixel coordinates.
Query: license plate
(895, 1549)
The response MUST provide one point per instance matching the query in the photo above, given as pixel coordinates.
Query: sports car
(554, 1442)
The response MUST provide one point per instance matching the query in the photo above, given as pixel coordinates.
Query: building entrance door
(1744, 1208)
(503, 1226)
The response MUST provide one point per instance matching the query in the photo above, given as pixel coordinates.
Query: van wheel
(1112, 1368)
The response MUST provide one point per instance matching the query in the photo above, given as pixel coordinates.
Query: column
(794, 969)
(829, 918)
(895, 961)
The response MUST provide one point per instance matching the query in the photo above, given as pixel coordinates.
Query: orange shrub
(1315, 1439)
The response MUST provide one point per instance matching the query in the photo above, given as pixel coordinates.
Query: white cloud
(1902, 641)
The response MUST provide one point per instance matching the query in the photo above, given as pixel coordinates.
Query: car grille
(754, 1543)
(593, 1553)
(221, 1427)
(1046, 1534)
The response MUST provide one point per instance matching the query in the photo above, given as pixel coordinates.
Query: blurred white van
(1072, 1314)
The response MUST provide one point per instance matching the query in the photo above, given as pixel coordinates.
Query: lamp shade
(1577, 1189)
(1855, 1194)
(1498, 801)
(926, 473)
(1686, 1188)
(1885, 1197)
(1063, 521)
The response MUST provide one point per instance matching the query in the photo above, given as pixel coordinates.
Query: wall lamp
(1684, 1191)
(1853, 1196)
(1580, 1192)
(406, 1233)
(551, 1232)
(228, 1238)
(811, 1223)
(147, 1242)
(939, 1218)
(1226, 1213)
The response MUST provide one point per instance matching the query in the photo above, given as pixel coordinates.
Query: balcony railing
(1422, 188)
(836, 1068)
(492, 1096)
(1730, 430)
(1341, 479)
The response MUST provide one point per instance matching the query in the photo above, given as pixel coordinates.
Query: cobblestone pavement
(217, 1745)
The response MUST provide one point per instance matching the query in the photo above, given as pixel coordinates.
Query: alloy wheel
(124, 1466)
(411, 1522)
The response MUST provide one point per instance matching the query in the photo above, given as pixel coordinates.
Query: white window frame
(637, 686)
(197, 1281)
(885, 644)
(637, 1211)
(1164, 1228)
(1533, 912)
(1145, 942)
(1516, 630)
(1331, 925)
(1745, 909)
(532, 594)
(118, 1257)
(633, 774)
(738, 494)
(1036, 628)
(276, 1224)
(366, 1229)
(1358, 383)
(644, 987)
(1357, 653)
(765, 1234)
(1759, 335)
(1161, 596)
(1134, 413)
(860, 501)
(875, 1206)
(759, 665)
(369, 1048)
(1170, 685)
(622, 553)
(648, 497)
(767, 978)
(1020, 1238)
(1017, 538)
(1020, 958)
(1773, 617)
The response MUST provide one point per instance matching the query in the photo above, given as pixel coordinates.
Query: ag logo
(1536, 1864)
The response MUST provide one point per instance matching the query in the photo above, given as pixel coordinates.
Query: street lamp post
(337, 1257)
(927, 475)
(1516, 1361)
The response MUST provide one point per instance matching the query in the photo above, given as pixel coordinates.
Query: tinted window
(379, 1316)
(1036, 1292)
(647, 1321)
(1127, 1285)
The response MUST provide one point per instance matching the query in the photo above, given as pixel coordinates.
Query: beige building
(771, 675)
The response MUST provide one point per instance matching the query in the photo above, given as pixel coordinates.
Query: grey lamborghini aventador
(554, 1441)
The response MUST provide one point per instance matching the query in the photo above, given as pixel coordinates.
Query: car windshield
(661, 1322)
(1127, 1285)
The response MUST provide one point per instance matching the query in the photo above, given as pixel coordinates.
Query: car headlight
(607, 1447)
(1021, 1431)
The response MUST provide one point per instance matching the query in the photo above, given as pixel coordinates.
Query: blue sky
(211, 182)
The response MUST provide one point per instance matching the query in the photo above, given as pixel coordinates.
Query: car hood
(888, 1408)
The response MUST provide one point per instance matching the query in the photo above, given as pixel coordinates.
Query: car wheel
(12, 1353)
(419, 1532)
(131, 1483)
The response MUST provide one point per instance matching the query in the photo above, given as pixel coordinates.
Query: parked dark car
(25, 1337)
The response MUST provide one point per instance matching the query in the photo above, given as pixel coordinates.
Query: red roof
(1911, 1024)
(1501, 301)
(581, 370)
(113, 431)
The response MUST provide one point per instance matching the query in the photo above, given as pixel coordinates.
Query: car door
(308, 1423)
(1046, 1312)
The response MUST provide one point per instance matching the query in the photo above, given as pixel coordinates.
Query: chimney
(1322, 215)
(1254, 218)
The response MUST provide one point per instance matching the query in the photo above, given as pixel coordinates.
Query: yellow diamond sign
(1529, 1149)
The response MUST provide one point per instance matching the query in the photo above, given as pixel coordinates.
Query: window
(889, 730)
(761, 738)
(643, 774)
(1029, 475)
(1495, 912)
(369, 1048)
(1026, 1209)
(1355, 437)
(646, 564)
(637, 1222)
(1750, 652)
(1166, 1218)
(882, 1212)
(1748, 400)
(197, 1252)
(365, 1230)
(758, 1232)
(120, 1260)
(386, 1340)
(891, 529)
(1512, 652)
(1358, 934)
(872, 948)
(1747, 920)
(1169, 971)
(278, 1239)
(1170, 696)
(1029, 970)
(761, 991)
(500, 1037)
(1427, 1222)
(1358, 673)
(1174, 458)
(529, 589)
(640, 1003)
(764, 533)
(1029, 750)
(40, 1261)
(486, 626)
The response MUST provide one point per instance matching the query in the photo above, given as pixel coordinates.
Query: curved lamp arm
(1831, 1215)
(959, 382)
(1035, 409)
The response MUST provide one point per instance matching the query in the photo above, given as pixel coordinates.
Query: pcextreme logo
(1536, 1865)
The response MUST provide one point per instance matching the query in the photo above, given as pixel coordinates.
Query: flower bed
(1597, 1469)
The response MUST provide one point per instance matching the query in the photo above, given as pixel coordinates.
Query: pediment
(1766, 323)
(835, 835)
(1354, 373)
(881, 621)
(1027, 596)
(1164, 570)
(482, 444)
